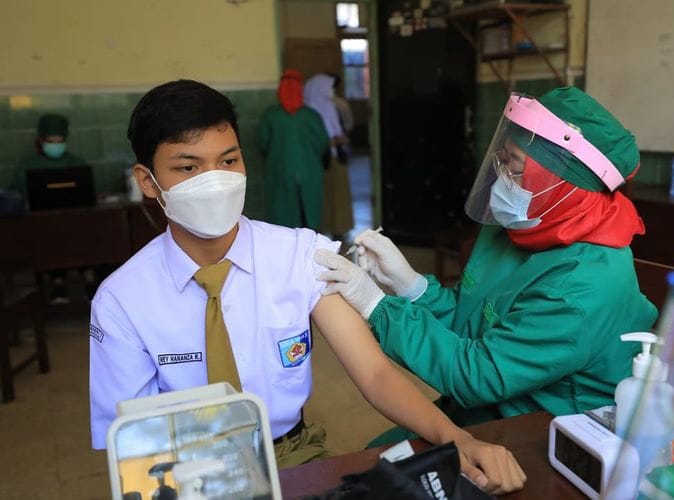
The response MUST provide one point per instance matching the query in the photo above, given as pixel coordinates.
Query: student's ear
(144, 181)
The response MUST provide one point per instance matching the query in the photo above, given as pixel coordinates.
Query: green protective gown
(36, 161)
(522, 331)
(293, 146)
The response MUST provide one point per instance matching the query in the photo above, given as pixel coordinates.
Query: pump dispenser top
(649, 375)
(644, 364)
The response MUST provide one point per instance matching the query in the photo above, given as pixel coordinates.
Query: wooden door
(313, 55)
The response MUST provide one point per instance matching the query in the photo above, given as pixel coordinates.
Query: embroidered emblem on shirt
(489, 314)
(468, 281)
(185, 357)
(96, 333)
(294, 350)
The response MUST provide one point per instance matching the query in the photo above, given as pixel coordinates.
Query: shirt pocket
(290, 353)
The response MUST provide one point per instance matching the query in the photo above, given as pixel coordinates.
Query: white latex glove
(346, 278)
(381, 258)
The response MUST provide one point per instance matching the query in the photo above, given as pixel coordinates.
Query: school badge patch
(294, 350)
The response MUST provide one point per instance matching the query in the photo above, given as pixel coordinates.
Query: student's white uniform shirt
(148, 323)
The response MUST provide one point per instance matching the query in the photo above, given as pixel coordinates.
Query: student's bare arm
(396, 397)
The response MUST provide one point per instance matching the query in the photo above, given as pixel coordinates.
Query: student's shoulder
(285, 239)
(146, 262)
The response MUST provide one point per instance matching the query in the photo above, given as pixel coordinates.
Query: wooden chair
(19, 304)
(653, 280)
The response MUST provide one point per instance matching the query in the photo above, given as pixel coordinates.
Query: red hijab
(290, 91)
(602, 218)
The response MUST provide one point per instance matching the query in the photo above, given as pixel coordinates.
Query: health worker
(535, 321)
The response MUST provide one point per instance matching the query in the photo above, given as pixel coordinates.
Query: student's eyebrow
(184, 156)
(230, 150)
(188, 156)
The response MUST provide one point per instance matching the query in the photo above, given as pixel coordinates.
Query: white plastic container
(644, 407)
(650, 424)
(195, 444)
(646, 369)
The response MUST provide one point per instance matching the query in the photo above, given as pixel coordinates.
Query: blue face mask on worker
(54, 150)
(509, 203)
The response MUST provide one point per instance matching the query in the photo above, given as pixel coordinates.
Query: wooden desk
(526, 436)
(67, 238)
(79, 237)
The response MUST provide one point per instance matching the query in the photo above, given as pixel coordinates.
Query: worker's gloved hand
(381, 258)
(346, 278)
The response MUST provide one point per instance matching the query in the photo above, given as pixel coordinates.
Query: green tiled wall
(490, 100)
(98, 134)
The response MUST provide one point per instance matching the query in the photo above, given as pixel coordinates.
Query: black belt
(292, 432)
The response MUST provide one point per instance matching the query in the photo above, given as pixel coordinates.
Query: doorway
(334, 37)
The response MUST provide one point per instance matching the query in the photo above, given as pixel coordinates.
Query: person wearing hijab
(535, 321)
(51, 152)
(293, 140)
(337, 207)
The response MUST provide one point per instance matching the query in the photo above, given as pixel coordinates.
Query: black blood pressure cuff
(433, 473)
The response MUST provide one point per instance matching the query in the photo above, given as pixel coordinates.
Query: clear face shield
(512, 189)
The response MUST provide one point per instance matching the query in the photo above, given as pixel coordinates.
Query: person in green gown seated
(51, 152)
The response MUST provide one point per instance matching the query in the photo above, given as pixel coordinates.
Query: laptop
(63, 187)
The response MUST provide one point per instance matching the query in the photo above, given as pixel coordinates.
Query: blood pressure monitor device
(586, 453)
(205, 443)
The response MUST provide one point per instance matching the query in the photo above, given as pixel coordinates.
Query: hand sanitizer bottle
(645, 413)
(645, 368)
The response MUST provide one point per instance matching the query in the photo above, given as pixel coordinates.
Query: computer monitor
(63, 187)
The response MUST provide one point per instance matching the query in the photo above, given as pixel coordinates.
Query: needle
(353, 248)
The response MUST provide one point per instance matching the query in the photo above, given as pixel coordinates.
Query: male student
(153, 320)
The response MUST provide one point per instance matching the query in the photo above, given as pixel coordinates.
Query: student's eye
(187, 168)
(229, 161)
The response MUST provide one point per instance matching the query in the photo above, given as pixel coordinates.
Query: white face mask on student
(208, 205)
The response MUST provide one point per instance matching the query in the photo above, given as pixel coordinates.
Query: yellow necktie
(220, 361)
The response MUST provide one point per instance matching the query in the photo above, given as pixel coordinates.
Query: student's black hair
(177, 111)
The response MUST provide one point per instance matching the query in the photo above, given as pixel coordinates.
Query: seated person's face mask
(54, 150)
(208, 205)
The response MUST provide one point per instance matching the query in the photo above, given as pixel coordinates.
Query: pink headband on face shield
(533, 116)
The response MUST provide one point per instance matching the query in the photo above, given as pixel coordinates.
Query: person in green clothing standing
(293, 140)
(535, 321)
(51, 145)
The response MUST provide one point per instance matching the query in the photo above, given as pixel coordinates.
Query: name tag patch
(96, 333)
(185, 357)
(294, 350)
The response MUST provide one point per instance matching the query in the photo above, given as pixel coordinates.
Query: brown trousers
(308, 445)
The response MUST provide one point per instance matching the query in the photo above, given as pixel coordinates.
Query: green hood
(596, 124)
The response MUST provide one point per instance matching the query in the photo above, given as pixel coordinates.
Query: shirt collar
(181, 267)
